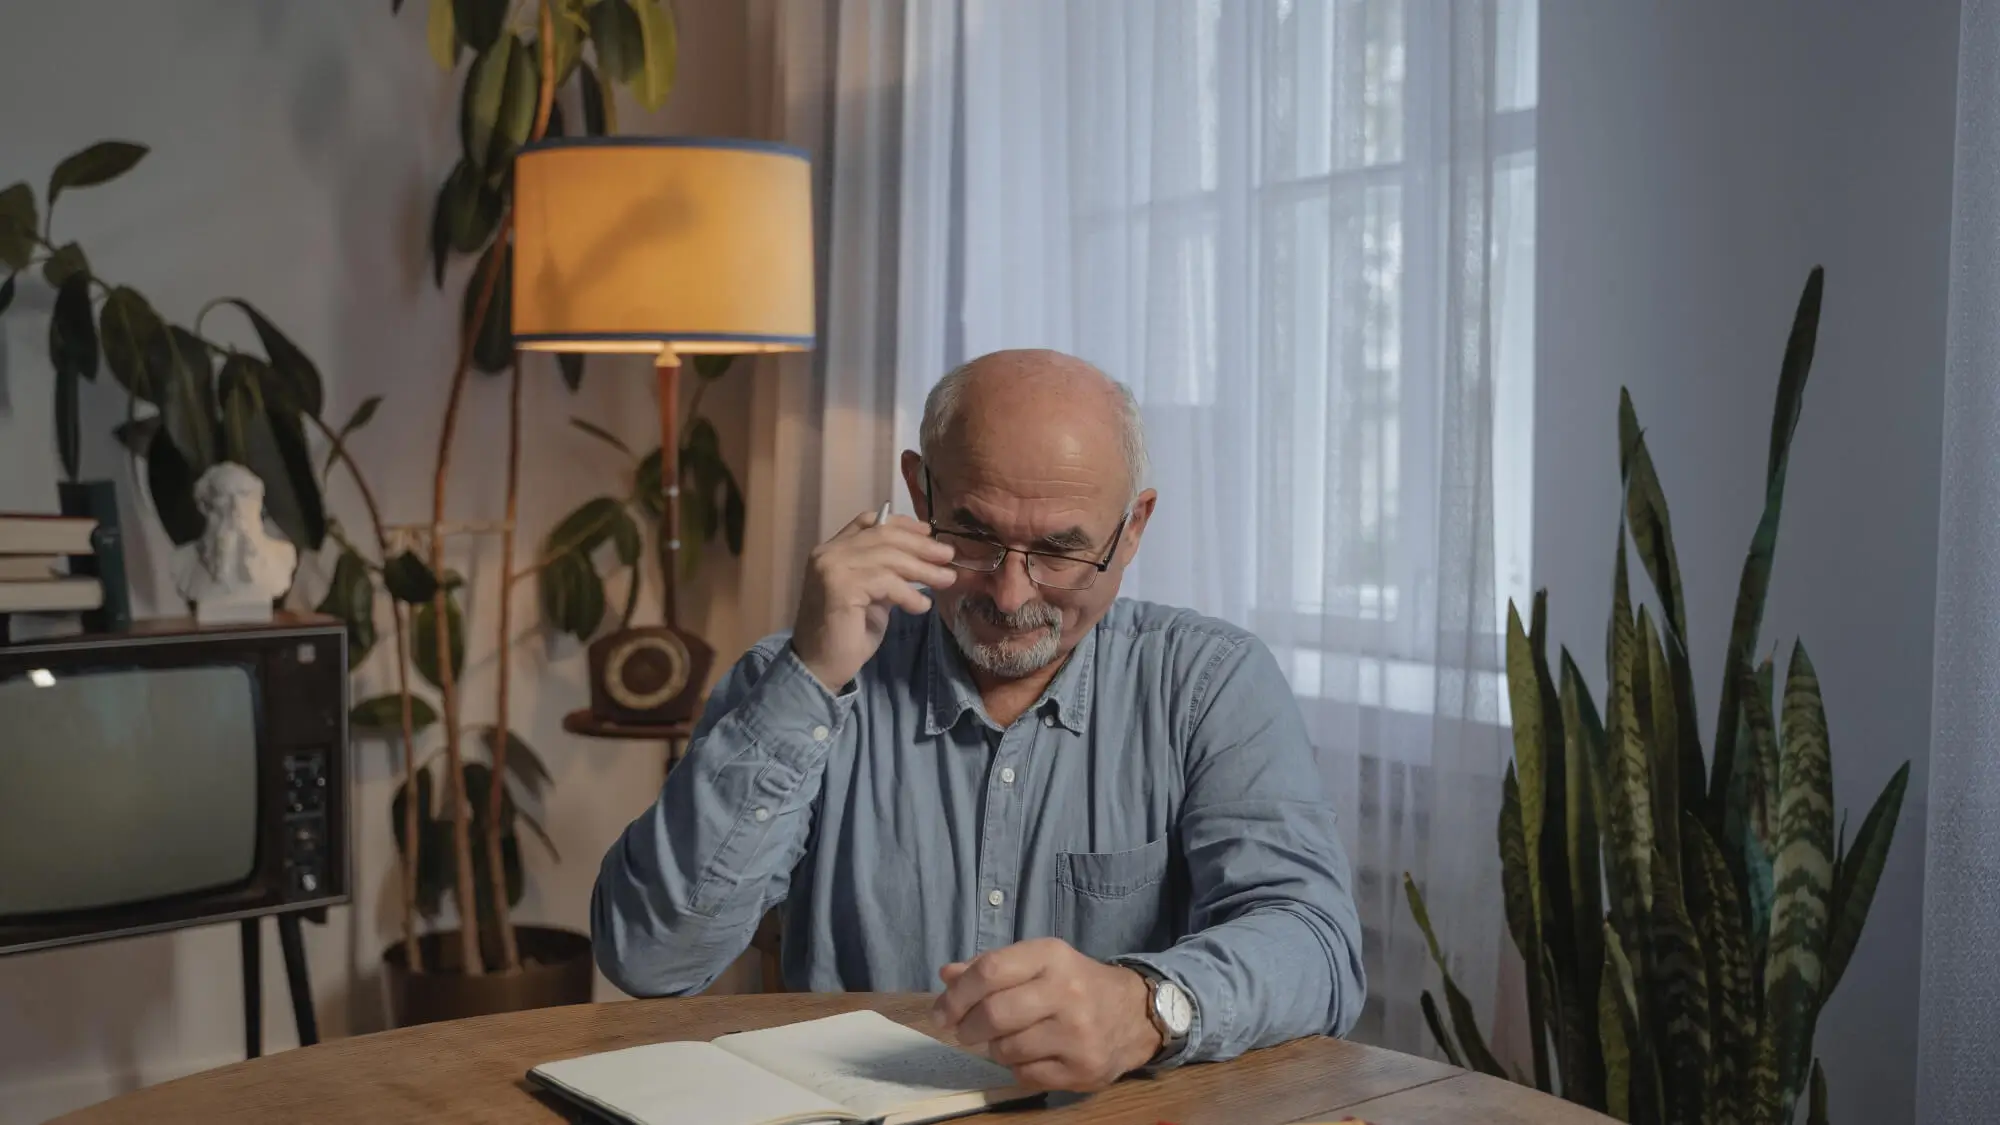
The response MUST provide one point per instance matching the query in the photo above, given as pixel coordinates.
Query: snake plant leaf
(1816, 1104)
(1611, 1023)
(1653, 705)
(1463, 1024)
(1522, 923)
(19, 226)
(1524, 691)
(1678, 971)
(1860, 870)
(1764, 1097)
(1629, 804)
(1755, 583)
(1718, 920)
(1583, 739)
(1639, 1085)
(1436, 1023)
(1802, 871)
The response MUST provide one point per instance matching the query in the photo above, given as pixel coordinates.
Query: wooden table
(473, 1071)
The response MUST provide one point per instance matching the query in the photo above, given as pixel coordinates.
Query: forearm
(1276, 972)
(680, 893)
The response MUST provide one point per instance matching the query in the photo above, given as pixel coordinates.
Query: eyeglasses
(976, 552)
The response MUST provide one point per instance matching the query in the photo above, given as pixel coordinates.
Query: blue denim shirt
(1161, 803)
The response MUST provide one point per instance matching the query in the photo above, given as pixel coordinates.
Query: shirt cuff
(792, 715)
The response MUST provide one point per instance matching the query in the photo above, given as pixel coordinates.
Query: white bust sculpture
(237, 568)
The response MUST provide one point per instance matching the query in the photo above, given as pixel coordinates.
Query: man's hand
(1060, 1020)
(851, 581)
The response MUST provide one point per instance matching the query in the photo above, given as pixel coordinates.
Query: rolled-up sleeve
(1274, 948)
(681, 891)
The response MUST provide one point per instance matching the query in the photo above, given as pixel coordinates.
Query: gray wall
(1696, 159)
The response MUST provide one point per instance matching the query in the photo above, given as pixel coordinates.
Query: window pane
(1517, 54)
(1330, 85)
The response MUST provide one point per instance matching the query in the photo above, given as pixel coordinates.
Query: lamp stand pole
(668, 370)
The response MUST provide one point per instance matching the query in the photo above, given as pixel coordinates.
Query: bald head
(1039, 405)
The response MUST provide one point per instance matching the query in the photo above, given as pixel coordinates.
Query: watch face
(647, 671)
(1176, 1011)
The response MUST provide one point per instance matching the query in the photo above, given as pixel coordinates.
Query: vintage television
(170, 776)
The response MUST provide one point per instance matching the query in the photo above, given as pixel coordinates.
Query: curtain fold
(1958, 1076)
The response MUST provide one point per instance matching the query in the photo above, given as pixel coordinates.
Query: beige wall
(296, 149)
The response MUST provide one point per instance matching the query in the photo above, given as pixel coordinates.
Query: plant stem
(496, 794)
(412, 950)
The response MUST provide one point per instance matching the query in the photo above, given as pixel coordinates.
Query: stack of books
(35, 575)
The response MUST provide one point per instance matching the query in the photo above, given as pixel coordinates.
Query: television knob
(309, 881)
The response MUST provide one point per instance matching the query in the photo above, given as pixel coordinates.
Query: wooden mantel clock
(648, 676)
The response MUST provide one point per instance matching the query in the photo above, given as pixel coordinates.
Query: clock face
(646, 672)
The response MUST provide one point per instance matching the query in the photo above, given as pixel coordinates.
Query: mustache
(1034, 615)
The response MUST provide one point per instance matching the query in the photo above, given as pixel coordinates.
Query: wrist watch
(1169, 1007)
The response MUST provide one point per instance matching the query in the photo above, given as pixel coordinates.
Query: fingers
(1009, 1012)
(1043, 1039)
(991, 972)
(893, 590)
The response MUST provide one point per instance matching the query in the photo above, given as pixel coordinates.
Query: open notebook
(861, 1066)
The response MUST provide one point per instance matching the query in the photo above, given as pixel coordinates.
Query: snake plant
(1683, 916)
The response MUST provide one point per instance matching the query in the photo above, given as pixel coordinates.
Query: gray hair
(941, 413)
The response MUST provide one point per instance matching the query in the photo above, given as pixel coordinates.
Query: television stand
(293, 945)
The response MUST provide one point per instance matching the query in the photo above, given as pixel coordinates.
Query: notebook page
(684, 1084)
(867, 1062)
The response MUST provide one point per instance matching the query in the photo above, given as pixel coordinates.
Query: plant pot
(555, 970)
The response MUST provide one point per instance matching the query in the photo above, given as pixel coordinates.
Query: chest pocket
(1113, 903)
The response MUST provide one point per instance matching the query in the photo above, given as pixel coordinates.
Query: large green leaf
(580, 532)
(1654, 708)
(1859, 871)
(572, 595)
(1816, 1104)
(493, 346)
(294, 383)
(19, 226)
(1583, 744)
(188, 398)
(1755, 583)
(1436, 1024)
(100, 163)
(1678, 969)
(128, 327)
(1463, 1023)
(660, 53)
(1629, 809)
(170, 483)
(1802, 871)
(465, 217)
(67, 261)
(597, 104)
(382, 717)
(1524, 691)
(571, 366)
(523, 764)
(1614, 1021)
(69, 421)
(516, 118)
(424, 640)
(72, 332)
(483, 98)
(350, 598)
(1718, 921)
(280, 456)
(409, 579)
(619, 38)
(441, 35)
(242, 403)
(479, 22)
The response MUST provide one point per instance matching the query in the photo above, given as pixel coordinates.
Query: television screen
(117, 787)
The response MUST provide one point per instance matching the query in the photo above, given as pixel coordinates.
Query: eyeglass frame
(1098, 566)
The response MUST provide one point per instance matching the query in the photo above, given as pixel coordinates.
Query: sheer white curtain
(1302, 231)
(1959, 1022)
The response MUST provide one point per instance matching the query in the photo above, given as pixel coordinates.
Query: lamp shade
(662, 244)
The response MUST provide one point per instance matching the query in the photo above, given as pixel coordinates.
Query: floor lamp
(666, 247)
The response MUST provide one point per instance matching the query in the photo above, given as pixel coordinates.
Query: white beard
(1009, 663)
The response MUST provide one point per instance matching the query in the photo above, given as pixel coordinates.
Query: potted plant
(1682, 926)
(192, 400)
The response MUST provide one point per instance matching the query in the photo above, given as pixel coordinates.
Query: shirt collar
(951, 693)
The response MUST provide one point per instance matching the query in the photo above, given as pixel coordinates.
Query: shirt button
(762, 815)
(1048, 720)
(1007, 775)
(995, 898)
(819, 734)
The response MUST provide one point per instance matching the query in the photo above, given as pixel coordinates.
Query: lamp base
(652, 675)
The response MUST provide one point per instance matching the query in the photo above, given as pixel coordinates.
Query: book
(23, 533)
(51, 595)
(28, 568)
(97, 500)
(857, 1067)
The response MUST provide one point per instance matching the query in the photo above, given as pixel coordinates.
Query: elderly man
(1098, 823)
